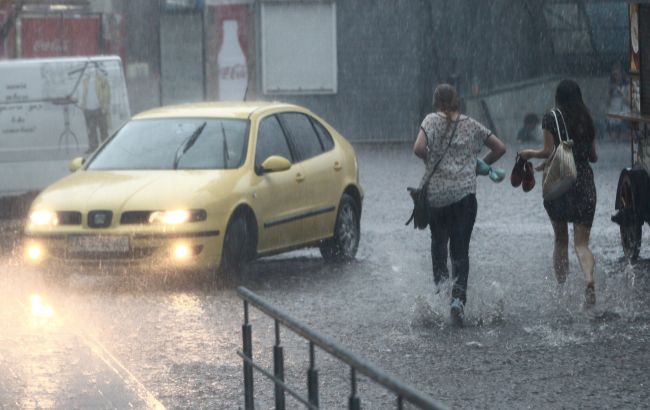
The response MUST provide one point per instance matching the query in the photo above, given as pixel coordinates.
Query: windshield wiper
(187, 144)
(226, 156)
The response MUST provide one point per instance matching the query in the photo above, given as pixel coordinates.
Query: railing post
(400, 403)
(278, 368)
(248, 368)
(312, 376)
(355, 402)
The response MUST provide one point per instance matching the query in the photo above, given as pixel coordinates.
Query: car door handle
(300, 177)
(337, 166)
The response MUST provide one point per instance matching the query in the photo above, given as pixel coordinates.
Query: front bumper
(176, 251)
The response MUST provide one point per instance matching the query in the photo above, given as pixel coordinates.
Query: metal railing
(402, 391)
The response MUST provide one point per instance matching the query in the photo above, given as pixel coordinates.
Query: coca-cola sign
(233, 72)
(231, 61)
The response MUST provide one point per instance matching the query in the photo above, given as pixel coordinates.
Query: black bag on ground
(420, 213)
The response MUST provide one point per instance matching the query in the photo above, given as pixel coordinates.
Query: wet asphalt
(144, 342)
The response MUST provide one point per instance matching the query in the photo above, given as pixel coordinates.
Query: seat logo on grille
(99, 219)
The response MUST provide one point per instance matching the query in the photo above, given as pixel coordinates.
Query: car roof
(242, 110)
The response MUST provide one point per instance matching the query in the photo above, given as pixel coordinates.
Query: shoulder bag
(560, 168)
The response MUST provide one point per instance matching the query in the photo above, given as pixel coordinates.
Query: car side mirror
(274, 163)
(76, 163)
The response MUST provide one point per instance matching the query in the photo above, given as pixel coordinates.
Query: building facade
(368, 66)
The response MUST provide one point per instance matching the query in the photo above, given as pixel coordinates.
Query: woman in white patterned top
(451, 143)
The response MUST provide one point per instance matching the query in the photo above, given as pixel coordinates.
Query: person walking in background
(96, 103)
(618, 101)
(528, 132)
(450, 144)
(578, 205)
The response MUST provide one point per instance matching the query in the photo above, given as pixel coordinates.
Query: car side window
(271, 141)
(302, 134)
(325, 137)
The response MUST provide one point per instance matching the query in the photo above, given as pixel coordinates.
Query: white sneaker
(457, 312)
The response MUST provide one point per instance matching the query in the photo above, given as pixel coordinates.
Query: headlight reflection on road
(34, 252)
(40, 310)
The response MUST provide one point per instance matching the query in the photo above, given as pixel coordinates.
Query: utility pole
(11, 19)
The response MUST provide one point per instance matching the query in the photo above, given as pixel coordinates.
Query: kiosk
(632, 203)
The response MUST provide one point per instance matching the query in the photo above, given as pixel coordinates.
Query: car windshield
(175, 143)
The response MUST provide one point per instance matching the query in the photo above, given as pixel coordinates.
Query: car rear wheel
(343, 246)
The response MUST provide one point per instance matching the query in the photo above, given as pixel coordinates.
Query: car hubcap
(348, 229)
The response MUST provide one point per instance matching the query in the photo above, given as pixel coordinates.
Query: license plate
(96, 243)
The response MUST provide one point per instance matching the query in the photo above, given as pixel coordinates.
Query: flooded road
(120, 342)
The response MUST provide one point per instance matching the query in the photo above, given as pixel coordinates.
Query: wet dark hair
(445, 99)
(568, 98)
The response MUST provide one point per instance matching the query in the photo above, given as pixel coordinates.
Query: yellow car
(202, 187)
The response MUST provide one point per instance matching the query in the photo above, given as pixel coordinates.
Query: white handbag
(560, 168)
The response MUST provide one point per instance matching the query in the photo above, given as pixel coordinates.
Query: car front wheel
(343, 246)
(235, 245)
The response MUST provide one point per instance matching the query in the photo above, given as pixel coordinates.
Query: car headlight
(44, 218)
(179, 216)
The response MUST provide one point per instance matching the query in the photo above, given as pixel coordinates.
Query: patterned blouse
(455, 176)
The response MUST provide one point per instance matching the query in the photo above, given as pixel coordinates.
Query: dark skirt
(578, 205)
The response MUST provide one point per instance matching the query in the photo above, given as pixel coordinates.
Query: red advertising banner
(56, 36)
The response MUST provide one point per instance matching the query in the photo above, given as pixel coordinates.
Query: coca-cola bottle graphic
(233, 73)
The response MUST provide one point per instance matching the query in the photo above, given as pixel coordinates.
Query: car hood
(136, 190)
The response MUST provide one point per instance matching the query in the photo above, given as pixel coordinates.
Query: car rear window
(175, 143)
(325, 137)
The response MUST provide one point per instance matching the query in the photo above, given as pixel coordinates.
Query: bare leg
(561, 251)
(586, 259)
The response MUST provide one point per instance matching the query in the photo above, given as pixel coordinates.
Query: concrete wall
(181, 45)
(142, 61)
(384, 70)
(392, 54)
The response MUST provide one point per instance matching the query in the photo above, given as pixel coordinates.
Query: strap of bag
(566, 130)
(557, 124)
(433, 170)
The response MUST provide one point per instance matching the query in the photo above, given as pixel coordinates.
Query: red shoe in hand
(517, 174)
(528, 182)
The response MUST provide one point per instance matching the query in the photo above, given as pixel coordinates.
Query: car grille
(135, 218)
(69, 217)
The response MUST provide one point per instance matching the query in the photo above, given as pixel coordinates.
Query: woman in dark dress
(578, 205)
